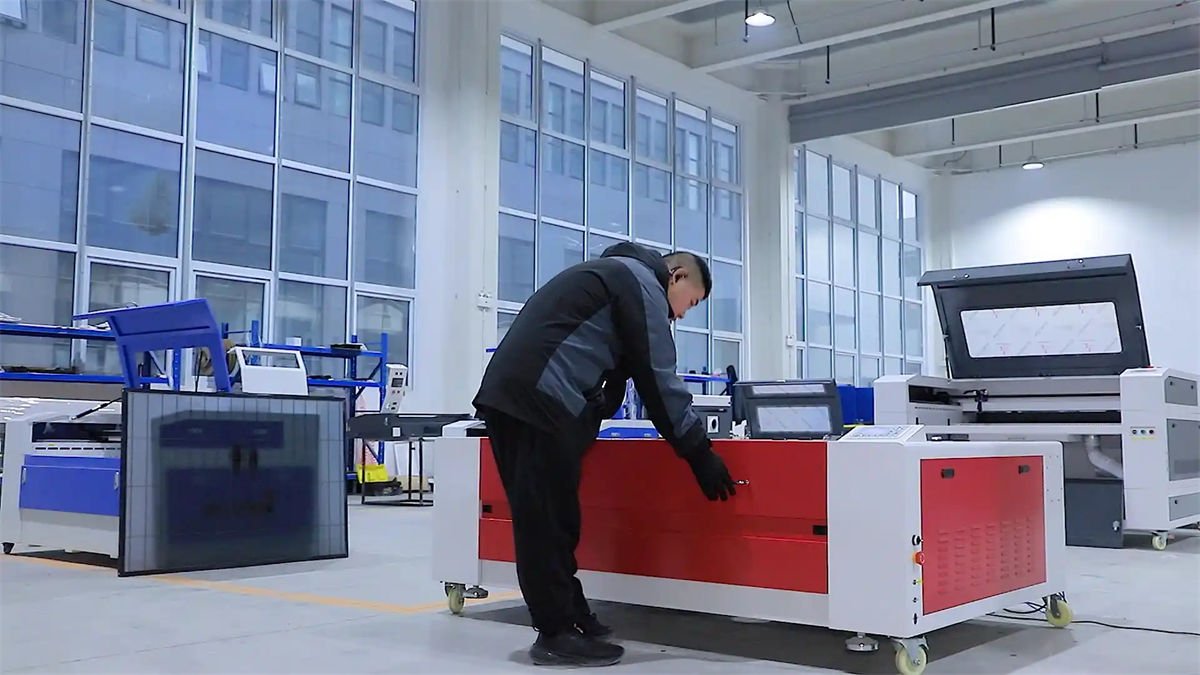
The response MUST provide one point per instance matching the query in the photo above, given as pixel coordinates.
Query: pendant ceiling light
(760, 18)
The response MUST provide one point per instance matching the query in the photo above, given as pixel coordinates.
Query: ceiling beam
(1042, 30)
(617, 20)
(1111, 108)
(1087, 69)
(788, 46)
(1052, 150)
(1174, 111)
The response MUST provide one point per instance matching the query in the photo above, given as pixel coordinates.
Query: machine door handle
(116, 480)
(23, 475)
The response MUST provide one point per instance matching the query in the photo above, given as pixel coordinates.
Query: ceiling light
(1032, 164)
(760, 19)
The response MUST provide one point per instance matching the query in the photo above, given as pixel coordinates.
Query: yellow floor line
(289, 596)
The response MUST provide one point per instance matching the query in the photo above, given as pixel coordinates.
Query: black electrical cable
(96, 409)
(993, 22)
(1035, 609)
(1092, 622)
(795, 25)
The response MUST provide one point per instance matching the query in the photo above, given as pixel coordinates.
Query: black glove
(712, 475)
(614, 394)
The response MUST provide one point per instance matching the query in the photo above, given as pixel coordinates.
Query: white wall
(459, 172)
(1145, 203)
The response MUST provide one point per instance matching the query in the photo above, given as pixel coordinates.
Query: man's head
(691, 282)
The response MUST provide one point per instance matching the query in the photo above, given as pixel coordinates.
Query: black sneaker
(573, 649)
(591, 627)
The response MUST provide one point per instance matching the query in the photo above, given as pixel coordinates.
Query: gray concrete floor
(380, 611)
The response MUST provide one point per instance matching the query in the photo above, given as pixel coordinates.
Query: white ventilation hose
(1100, 460)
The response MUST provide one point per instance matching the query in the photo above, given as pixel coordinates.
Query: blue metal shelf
(376, 380)
(340, 384)
(329, 352)
(74, 333)
(77, 377)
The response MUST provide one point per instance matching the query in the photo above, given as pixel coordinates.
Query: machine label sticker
(1052, 330)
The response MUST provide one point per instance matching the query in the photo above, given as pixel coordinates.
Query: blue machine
(159, 481)
(858, 405)
(68, 453)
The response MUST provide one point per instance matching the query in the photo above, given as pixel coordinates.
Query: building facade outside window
(261, 154)
(590, 158)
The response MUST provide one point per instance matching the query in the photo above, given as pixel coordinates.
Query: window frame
(543, 124)
(803, 351)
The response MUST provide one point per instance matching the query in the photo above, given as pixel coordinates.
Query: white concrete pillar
(939, 255)
(458, 203)
(769, 191)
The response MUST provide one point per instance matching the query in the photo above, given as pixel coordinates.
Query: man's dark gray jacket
(563, 365)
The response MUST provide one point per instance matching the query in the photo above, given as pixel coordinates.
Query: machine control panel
(789, 409)
(397, 386)
(1143, 433)
(898, 432)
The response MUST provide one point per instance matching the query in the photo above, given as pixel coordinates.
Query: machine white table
(881, 532)
(1057, 351)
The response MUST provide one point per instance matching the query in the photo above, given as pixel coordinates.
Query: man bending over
(562, 369)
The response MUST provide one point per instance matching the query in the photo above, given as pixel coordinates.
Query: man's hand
(614, 394)
(712, 475)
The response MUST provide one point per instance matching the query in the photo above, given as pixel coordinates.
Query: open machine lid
(1043, 319)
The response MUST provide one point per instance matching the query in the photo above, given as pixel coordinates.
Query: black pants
(541, 475)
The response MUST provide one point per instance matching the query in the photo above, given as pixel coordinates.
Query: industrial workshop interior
(817, 336)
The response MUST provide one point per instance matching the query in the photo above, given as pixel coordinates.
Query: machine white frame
(55, 530)
(273, 378)
(1137, 394)
(873, 511)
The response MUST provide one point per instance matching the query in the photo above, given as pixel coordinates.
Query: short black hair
(694, 264)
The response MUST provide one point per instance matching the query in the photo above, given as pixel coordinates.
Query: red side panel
(983, 528)
(644, 515)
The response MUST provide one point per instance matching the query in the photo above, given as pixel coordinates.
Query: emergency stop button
(919, 558)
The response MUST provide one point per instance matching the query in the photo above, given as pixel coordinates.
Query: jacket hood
(647, 256)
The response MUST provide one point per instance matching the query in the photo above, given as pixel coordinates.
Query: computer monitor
(789, 409)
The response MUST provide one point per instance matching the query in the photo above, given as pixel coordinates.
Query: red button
(919, 558)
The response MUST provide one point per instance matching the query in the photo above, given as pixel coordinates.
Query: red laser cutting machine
(879, 533)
